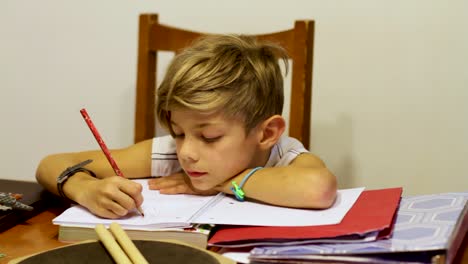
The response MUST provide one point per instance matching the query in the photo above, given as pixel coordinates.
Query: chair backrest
(154, 37)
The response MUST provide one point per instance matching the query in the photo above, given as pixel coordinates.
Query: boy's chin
(204, 189)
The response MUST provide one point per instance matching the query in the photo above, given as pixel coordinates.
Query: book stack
(197, 235)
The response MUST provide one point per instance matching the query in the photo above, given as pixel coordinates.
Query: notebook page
(232, 212)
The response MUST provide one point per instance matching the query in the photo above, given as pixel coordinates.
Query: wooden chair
(154, 37)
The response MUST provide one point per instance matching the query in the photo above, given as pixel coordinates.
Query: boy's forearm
(134, 161)
(50, 168)
(288, 186)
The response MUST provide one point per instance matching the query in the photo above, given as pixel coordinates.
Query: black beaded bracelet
(69, 172)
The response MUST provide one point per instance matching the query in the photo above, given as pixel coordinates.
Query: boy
(221, 100)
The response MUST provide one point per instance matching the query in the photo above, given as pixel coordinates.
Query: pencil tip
(141, 211)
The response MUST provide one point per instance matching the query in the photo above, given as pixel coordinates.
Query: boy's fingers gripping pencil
(104, 148)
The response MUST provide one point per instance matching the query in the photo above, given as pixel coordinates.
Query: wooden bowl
(173, 252)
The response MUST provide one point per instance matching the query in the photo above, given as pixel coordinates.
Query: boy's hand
(111, 197)
(177, 183)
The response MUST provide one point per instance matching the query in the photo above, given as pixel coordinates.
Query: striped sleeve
(164, 160)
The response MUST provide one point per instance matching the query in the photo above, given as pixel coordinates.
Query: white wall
(389, 82)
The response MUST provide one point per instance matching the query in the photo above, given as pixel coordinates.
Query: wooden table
(35, 235)
(39, 234)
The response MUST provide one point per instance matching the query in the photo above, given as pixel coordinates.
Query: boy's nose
(188, 150)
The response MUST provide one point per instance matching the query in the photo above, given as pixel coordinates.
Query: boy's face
(211, 148)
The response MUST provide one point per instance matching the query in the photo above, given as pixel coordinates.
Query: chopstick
(126, 252)
(127, 244)
(111, 245)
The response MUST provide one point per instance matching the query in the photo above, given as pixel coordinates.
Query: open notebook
(172, 211)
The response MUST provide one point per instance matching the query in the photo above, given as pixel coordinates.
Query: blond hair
(232, 73)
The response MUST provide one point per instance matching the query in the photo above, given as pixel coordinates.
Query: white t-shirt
(164, 157)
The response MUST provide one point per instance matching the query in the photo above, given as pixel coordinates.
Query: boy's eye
(179, 135)
(211, 139)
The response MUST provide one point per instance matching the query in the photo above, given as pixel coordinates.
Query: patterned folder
(426, 225)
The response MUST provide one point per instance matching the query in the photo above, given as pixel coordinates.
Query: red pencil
(104, 148)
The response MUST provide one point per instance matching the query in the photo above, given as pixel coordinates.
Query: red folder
(374, 210)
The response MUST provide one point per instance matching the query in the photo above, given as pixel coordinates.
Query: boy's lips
(195, 174)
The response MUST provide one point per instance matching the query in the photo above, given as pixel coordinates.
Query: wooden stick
(127, 244)
(111, 245)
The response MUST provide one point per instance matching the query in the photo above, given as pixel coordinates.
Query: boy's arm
(107, 196)
(305, 183)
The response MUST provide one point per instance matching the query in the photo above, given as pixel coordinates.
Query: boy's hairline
(247, 130)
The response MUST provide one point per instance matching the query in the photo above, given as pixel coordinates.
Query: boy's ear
(271, 131)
